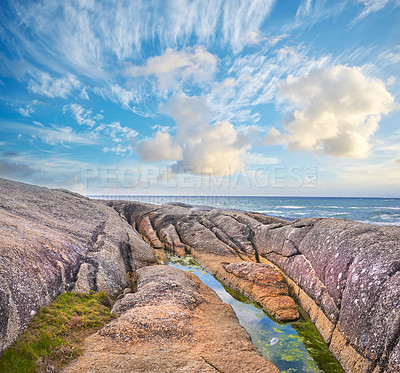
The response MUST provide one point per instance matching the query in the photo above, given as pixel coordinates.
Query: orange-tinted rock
(264, 284)
(145, 228)
(174, 323)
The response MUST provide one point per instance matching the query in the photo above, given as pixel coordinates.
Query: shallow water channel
(292, 347)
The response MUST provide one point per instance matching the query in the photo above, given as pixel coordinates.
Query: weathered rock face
(174, 323)
(54, 240)
(214, 238)
(264, 284)
(345, 274)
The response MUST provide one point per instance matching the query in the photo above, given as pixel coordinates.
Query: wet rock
(264, 284)
(174, 323)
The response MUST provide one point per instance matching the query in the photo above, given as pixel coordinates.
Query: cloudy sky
(202, 97)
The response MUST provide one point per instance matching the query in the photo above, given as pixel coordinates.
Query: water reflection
(292, 347)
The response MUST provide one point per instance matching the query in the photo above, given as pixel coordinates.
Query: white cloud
(253, 37)
(273, 40)
(214, 150)
(372, 6)
(118, 149)
(174, 67)
(189, 113)
(260, 159)
(25, 112)
(89, 37)
(338, 110)
(51, 135)
(81, 115)
(127, 99)
(61, 135)
(84, 95)
(253, 79)
(390, 57)
(311, 12)
(46, 85)
(117, 132)
(159, 148)
(200, 148)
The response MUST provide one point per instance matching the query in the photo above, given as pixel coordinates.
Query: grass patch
(54, 337)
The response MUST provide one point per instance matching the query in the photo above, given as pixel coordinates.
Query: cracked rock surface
(345, 274)
(53, 241)
(174, 323)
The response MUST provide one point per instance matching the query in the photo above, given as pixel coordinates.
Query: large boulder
(53, 241)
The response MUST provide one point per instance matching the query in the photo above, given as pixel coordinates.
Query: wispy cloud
(81, 115)
(84, 35)
(25, 111)
(51, 87)
(117, 132)
(50, 135)
(253, 79)
(61, 135)
(311, 12)
(175, 67)
(128, 99)
(372, 6)
(84, 95)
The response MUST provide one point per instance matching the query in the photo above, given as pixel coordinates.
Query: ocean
(380, 211)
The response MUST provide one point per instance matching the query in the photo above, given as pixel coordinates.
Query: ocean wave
(385, 208)
(329, 207)
(397, 223)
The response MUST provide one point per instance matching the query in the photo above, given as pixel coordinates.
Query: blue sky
(202, 97)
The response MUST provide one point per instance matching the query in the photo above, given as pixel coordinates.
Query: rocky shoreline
(346, 275)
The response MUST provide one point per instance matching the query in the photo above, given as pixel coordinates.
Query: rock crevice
(53, 241)
(345, 274)
(173, 323)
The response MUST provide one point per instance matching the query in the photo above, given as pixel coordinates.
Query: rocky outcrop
(345, 274)
(173, 323)
(54, 240)
(264, 284)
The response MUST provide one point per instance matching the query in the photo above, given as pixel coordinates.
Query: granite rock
(53, 241)
(174, 323)
(344, 273)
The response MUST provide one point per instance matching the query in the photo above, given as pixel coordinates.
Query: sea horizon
(372, 210)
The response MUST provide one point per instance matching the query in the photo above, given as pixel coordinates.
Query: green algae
(54, 337)
(293, 347)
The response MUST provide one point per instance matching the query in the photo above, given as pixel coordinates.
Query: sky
(202, 97)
